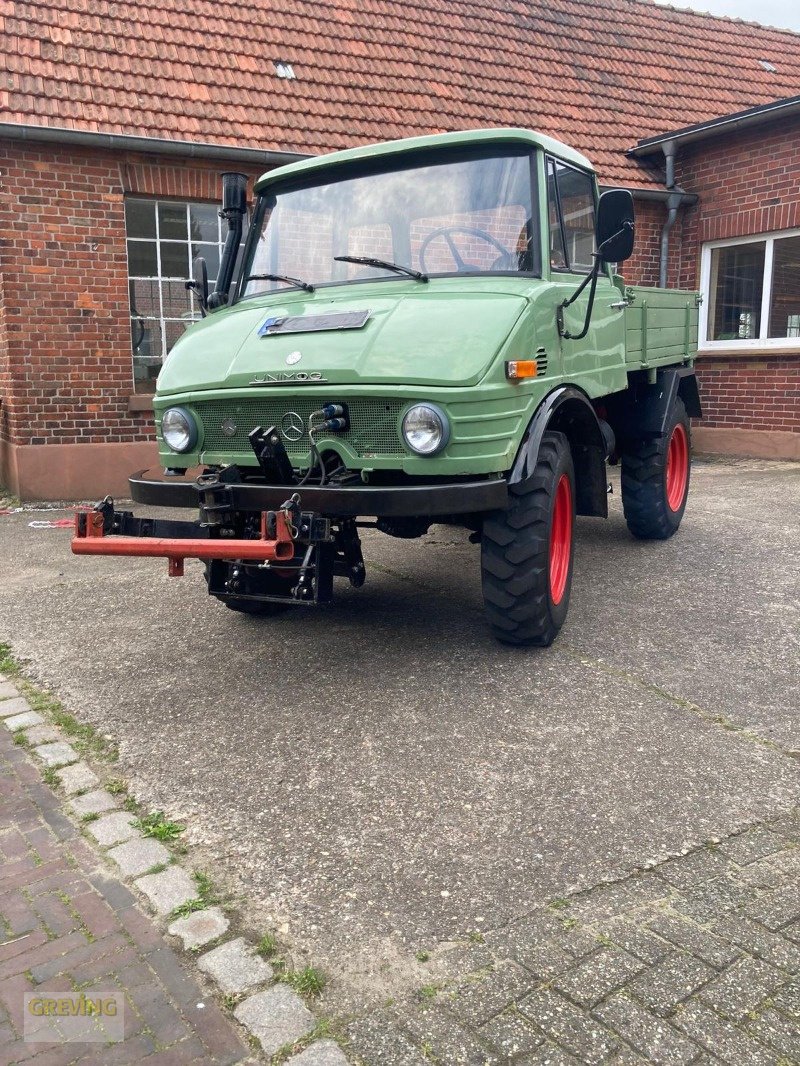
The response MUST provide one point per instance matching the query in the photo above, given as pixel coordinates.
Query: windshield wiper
(280, 277)
(368, 260)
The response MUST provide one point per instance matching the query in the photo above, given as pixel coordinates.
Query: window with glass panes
(164, 238)
(751, 290)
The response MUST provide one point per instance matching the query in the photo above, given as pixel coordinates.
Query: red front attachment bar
(91, 540)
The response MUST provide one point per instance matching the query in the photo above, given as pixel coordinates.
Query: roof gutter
(717, 126)
(659, 196)
(258, 157)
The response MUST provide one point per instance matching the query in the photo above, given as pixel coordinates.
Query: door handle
(620, 305)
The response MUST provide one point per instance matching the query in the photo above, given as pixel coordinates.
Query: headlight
(426, 429)
(179, 429)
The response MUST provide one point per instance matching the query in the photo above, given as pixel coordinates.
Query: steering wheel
(448, 231)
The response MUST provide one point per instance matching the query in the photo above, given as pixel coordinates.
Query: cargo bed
(660, 326)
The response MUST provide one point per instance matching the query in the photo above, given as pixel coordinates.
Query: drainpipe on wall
(674, 201)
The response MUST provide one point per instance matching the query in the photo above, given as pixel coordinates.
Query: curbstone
(113, 829)
(320, 1053)
(22, 721)
(235, 966)
(14, 706)
(276, 1017)
(77, 778)
(8, 690)
(58, 754)
(198, 929)
(41, 734)
(167, 890)
(136, 857)
(97, 802)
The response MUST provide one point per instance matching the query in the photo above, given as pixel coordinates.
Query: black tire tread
(515, 550)
(643, 495)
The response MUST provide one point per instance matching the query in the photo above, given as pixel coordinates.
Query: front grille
(373, 424)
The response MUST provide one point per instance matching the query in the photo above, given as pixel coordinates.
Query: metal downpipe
(674, 201)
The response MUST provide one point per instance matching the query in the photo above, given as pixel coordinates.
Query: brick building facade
(744, 172)
(106, 178)
(66, 367)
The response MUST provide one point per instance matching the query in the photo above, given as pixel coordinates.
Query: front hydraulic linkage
(105, 531)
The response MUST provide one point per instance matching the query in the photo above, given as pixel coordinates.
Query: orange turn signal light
(521, 368)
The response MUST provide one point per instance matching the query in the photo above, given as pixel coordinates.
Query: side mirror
(199, 284)
(615, 226)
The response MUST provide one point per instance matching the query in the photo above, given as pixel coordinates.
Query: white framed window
(164, 238)
(751, 292)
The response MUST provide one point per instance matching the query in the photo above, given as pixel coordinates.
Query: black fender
(644, 408)
(569, 411)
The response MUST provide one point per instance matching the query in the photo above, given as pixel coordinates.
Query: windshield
(446, 216)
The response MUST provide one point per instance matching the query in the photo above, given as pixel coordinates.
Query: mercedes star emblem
(229, 427)
(292, 426)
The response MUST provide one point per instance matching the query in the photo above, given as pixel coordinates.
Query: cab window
(571, 207)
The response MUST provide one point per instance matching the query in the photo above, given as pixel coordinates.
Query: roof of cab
(463, 138)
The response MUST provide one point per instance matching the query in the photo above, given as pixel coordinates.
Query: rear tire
(655, 479)
(527, 551)
(254, 607)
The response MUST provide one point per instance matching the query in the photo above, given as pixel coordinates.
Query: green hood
(427, 335)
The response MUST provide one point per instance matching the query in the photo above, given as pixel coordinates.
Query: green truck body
(461, 331)
(467, 332)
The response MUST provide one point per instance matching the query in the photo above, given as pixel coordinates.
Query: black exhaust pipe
(234, 205)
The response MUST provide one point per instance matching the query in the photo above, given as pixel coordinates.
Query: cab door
(596, 362)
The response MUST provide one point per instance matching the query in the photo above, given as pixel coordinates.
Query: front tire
(527, 551)
(655, 479)
(254, 607)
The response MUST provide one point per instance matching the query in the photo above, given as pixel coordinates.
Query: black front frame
(424, 501)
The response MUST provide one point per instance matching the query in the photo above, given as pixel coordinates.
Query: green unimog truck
(426, 331)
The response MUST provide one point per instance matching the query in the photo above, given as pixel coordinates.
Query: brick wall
(761, 393)
(642, 267)
(65, 355)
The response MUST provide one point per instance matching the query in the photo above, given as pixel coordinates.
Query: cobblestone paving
(694, 961)
(66, 926)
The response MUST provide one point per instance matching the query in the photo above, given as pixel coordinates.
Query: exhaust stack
(234, 205)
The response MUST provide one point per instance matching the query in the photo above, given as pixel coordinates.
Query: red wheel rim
(560, 540)
(677, 467)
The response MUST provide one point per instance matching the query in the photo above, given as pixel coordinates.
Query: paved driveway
(380, 777)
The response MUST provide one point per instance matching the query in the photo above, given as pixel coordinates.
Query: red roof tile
(599, 75)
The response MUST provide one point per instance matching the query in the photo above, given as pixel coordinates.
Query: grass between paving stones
(325, 1029)
(83, 737)
(157, 825)
(207, 896)
(308, 982)
(267, 946)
